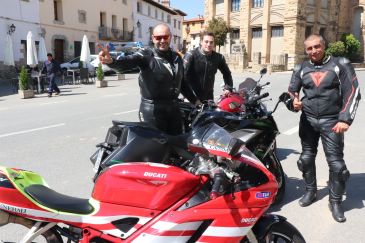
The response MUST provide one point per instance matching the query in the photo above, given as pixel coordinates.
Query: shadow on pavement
(283, 153)
(355, 192)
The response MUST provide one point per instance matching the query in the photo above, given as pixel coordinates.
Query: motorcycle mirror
(263, 71)
(284, 97)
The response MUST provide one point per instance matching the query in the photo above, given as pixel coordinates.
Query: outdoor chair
(84, 75)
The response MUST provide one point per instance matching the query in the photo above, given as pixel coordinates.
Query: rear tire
(283, 232)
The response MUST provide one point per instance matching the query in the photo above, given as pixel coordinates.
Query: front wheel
(282, 232)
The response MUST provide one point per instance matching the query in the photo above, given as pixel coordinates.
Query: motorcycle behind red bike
(220, 195)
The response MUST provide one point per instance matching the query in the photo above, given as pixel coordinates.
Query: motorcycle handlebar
(257, 98)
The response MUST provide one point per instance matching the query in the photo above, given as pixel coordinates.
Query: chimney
(166, 3)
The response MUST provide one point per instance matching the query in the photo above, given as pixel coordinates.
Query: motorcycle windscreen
(247, 85)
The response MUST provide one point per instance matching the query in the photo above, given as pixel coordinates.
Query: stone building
(191, 32)
(272, 32)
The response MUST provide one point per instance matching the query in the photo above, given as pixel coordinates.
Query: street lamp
(11, 29)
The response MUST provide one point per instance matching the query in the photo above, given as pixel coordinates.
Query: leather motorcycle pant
(164, 115)
(310, 130)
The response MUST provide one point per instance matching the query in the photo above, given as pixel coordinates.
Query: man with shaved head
(160, 80)
(331, 96)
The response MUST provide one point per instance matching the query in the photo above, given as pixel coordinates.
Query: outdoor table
(73, 71)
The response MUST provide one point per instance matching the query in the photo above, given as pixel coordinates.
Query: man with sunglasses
(331, 96)
(201, 65)
(160, 80)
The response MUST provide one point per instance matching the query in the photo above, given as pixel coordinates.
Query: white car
(74, 63)
(95, 63)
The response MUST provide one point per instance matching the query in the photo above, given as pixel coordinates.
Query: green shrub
(336, 49)
(352, 46)
(348, 47)
(23, 79)
(99, 72)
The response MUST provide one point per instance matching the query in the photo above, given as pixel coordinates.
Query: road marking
(291, 131)
(125, 112)
(4, 109)
(31, 130)
(113, 95)
(55, 102)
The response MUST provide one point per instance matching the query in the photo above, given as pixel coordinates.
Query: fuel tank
(232, 103)
(145, 185)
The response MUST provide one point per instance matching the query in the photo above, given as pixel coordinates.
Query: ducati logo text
(155, 175)
(13, 209)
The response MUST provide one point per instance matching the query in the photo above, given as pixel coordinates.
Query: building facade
(65, 22)
(191, 32)
(22, 16)
(149, 13)
(272, 32)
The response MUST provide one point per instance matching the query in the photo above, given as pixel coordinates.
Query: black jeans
(310, 130)
(164, 115)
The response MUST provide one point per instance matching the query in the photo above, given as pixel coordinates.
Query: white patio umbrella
(42, 51)
(9, 54)
(85, 52)
(32, 59)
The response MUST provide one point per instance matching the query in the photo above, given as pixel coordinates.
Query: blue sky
(191, 7)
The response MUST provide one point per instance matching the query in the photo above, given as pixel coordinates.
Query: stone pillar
(209, 10)
(294, 25)
(227, 11)
(245, 28)
(266, 33)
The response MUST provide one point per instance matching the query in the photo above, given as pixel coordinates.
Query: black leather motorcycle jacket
(200, 70)
(330, 88)
(161, 76)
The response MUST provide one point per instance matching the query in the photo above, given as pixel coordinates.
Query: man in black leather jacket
(201, 65)
(331, 97)
(160, 81)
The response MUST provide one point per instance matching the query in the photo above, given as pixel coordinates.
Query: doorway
(59, 50)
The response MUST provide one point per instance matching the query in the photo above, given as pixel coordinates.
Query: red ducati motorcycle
(219, 195)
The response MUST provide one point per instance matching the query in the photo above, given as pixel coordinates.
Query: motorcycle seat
(57, 201)
(135, 124)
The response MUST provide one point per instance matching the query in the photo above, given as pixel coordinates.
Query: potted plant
(24, 92)
(100, 82)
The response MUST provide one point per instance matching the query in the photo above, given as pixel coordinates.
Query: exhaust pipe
(6, 218)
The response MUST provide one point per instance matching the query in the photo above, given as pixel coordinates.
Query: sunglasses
(160, 37)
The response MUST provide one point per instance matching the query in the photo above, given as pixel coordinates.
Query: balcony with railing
(114, 34)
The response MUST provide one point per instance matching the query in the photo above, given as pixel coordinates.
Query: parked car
(74, 63)
(95, 63)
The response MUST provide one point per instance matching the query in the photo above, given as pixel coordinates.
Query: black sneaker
(57, 93)
(49, 95)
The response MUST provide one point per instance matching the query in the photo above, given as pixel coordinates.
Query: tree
(220, 29)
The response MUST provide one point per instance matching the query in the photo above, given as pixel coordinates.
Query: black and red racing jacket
(330, 89)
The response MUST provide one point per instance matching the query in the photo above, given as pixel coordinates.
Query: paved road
(55, 137)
